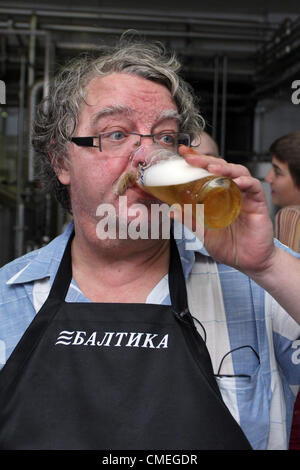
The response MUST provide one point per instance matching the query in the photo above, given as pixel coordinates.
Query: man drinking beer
(121, 343)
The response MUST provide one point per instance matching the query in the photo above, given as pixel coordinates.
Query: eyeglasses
(218, 374)
(118, 143)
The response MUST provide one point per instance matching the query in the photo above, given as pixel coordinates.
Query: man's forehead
(122, 81)
(127, 96)
(119, 110)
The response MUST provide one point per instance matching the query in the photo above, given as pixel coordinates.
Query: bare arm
(282, 280)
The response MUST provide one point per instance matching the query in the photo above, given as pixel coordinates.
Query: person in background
(284, 179)
(284, 176)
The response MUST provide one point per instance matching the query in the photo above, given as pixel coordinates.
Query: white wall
(274, 118)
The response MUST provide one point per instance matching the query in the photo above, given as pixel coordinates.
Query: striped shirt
(287, 227)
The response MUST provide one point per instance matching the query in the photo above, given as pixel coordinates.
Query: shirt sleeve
(287, 227)
(286, 333)
(286, 330)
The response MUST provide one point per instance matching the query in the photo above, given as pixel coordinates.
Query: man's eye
(168, 139)
(116, 135)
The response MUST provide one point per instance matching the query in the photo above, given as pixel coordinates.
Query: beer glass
(169, 178)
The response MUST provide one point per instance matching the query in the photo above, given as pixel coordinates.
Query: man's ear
(61, 168)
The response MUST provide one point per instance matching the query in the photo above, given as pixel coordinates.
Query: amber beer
(175, 181)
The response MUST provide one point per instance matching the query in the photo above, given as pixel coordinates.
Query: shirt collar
(45, 261)
(188, 244)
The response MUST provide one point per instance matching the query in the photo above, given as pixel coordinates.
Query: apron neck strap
(63, 276)
(177, 287)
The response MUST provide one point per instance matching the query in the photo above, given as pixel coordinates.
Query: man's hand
(247, 244)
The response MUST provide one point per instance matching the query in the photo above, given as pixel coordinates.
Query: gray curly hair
(57, 115)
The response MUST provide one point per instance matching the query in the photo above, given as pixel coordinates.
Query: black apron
(105, 376)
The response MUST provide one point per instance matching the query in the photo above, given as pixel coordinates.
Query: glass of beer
(169, 178)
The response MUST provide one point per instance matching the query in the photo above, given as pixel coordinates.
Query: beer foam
(172, 171)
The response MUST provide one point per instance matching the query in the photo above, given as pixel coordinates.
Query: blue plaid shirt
(249, 319)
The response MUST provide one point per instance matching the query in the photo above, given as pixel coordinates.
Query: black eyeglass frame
(218, 374)
(89, 141)
(181, 315)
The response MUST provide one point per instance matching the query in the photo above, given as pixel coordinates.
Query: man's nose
(138, 157)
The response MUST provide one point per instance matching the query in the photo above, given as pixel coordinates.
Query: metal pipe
(19, 228)
(148, 16)
(190, 22)
(159, 33)
(257, 131)
(35, 89)
(31, 53)
(21, 26)
(47, 65)
(190, 52)
(119, 31)
(48, 199)
(38, 32)
(215, 98)
(3, 56)
(33, 94)
(223, 110)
